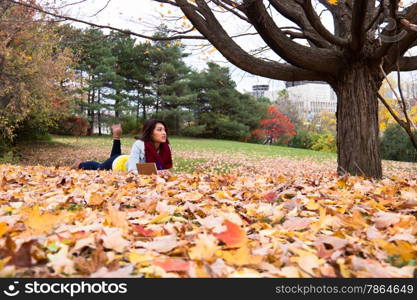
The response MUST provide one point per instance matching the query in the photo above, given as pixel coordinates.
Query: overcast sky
(142, 15)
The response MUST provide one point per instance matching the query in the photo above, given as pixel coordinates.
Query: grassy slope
(189, 153)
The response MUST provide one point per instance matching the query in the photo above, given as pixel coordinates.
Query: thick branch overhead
(355, 27)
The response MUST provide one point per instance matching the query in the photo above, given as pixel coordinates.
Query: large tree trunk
(357, 121)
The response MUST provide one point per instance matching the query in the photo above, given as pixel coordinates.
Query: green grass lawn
(203, 145)
(222, 146)
(191, 154)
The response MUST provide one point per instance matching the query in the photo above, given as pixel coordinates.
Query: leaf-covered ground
(228, 210)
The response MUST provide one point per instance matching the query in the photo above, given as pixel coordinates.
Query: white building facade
(311, 97)
(409, 90)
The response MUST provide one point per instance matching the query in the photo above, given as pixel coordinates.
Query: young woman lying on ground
(152, 146)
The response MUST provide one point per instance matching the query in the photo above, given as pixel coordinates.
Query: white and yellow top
(128, 162)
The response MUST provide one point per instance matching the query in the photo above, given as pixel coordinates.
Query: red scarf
(163, 160)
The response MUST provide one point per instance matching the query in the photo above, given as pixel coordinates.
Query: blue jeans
(116, 151)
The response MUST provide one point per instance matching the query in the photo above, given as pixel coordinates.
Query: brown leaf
(22, 258)
(384, 219)
(297, 223)
(92, 264)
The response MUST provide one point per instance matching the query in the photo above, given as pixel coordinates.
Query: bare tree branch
(408, 25)
(292, 11)
(391, 111)
(400, 99)
(233, 11)
(408, 63)
(129, 32)
(359, 13)
(294, 34)
(103, 8)
(210, 27)
(387, 49)
(342, 17)
(406, 126)
(315, 21)
(304, 57)
(375, 19)
(71, 4)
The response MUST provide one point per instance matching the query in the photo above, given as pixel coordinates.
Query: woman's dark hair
(148, 129)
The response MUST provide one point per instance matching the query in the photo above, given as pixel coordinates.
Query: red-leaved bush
(276, 126)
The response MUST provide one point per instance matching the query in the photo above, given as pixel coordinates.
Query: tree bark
(358, 150)
(117, 105)
(137, 109)
(143, 107)
(99, 112)
(90, 111)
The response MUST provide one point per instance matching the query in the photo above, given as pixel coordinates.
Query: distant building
(409, 90)
(312, 97)
(259, 90)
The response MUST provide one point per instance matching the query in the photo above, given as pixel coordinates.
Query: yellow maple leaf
(117, 218)
(312, 205)
(323, 221)
(332, 2)
(223, 195)
(162, 218)
(240, 257)
(402, 248)
(139, 258)
(205, 248)
(190, 196)
(3, 228)
(344, 270)
(307, 261)
(94, 199)
(40, 224)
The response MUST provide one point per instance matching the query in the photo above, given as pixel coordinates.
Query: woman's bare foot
(164, 172)
(76, 165)
(117, 131)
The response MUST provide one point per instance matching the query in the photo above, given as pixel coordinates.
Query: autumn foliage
(33, 72)
(277, 125)
(56, 222)
(73, 125)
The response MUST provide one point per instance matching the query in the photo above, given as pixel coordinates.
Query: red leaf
(233, 236)
(270, 197)
(175, 265)
(144, 232)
